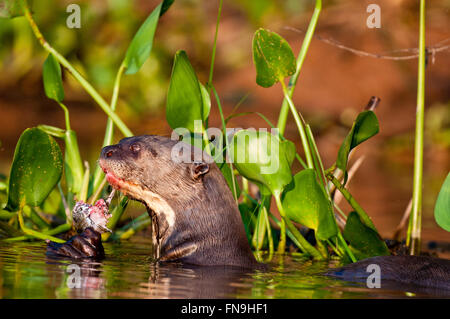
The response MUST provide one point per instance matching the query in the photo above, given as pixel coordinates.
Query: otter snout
(109, 152)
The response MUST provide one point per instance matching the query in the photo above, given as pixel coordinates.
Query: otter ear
(199, 169)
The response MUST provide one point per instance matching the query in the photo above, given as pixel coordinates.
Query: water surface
(126, 272)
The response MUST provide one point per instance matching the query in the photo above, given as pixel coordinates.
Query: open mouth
(135, 192)
(117, 182)
(127, 188)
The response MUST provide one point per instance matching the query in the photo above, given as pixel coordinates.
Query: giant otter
(196, 220)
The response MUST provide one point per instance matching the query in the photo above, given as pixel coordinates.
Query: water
(26, 272)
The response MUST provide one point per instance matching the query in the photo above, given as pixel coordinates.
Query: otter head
(143, 168)
(193, 212)
(148, 163)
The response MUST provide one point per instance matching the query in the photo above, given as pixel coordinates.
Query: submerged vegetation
(44, 182)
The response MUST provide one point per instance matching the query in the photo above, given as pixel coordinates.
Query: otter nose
(108, 151)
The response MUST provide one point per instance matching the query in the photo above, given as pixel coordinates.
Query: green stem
(300, 125)
(109, 131)
(282, 118)
(97, 192)
(344, 217)
(213, 55)
(132, 227)
(85, 84)
(117, 213)
(66, 115)
(289, 234)
(85, 184)
(260, 230)
(303, 242)
(335, 249)
(358, 209)
(415, 224)
(282, 243)
(35, 218)
(317, 159)
(5, 215)
(57, 230)
(346, 248)
(269, 233)
(34, 233)
(224, 128)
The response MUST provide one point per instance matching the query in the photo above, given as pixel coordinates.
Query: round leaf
(36, 169)
(263, 158)
(51, 74)
(442, 207)
(305, 202)
(273, 58)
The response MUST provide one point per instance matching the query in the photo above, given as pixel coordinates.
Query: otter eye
(135, 148)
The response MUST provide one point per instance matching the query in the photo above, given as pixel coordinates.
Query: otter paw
(88, 244)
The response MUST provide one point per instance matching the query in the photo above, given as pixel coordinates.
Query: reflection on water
(26, 272)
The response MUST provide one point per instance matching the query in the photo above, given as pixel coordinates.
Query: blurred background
(333, 87)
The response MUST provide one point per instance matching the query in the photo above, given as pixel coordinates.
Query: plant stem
(358, 209)
(269, 233)
(282, 118)
(109, 131)
(67, 211)
(5, 215)
(97, 192)
(335, 249)
(34, 233)
(85, 84)
(224, 128)
(282, 243)
(213, 54)
(308, 248)
(66, 115)
(85, 184)
(300, 125)
(132, 227)
(318, 160)
(57, 230)
(414, 229)
(346, 248)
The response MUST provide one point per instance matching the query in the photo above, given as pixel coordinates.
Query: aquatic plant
(43, 179)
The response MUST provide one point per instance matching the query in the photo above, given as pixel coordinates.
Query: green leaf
(365, 126)
(11, 8)
(141, 45)
(36, 169)
(51, 74)
(364, 241)
(273, 58)
(263, 158)
(305, 202)
(185, 100)
(442, 207)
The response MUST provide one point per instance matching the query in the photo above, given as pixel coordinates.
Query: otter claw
(88, 244)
